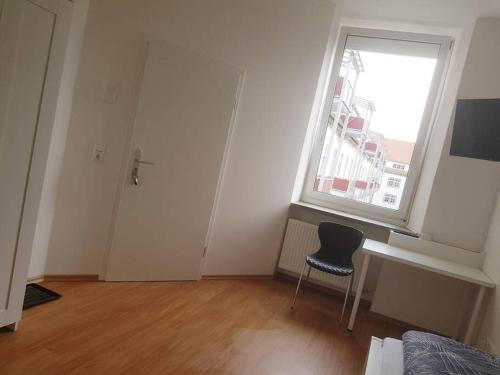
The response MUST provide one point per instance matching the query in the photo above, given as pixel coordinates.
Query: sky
(398, 85)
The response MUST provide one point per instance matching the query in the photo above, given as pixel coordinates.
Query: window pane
(379, 99)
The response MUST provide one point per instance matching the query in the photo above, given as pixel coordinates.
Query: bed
(427, 354)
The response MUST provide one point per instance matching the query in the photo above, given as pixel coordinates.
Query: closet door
(26, 39)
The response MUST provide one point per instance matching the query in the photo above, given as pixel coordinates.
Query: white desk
(433, 264)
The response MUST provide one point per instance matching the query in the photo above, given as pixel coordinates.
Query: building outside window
(399, 155)
(394, 182)
(390, 198)
(375, 123)
(398, 166)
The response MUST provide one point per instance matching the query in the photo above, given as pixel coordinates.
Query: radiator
(300, 240)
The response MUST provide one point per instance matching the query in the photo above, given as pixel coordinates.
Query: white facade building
(394, 178)
(356, 162)
(353, 157)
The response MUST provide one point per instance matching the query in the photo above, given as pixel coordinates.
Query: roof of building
(399, 151)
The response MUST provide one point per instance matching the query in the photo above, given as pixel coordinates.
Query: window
(376, 120)
(390, 198)
(394, 182)
(398, 166)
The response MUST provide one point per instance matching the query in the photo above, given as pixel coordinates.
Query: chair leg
(347, 294)
(298, 285)
(307, 277)
(308, 273)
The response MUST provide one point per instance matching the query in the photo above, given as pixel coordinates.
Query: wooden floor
(207, 327)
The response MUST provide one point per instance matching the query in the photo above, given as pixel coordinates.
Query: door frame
(222, 172)
(124, 168)
(63, 11)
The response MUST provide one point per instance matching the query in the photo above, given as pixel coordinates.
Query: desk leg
(359, 290)
(475, 314)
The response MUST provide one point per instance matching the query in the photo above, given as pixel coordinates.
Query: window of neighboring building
(390, 198)
(398, 166)
(394, 182)
(378, 111)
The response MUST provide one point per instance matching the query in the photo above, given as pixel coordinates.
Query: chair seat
(325, 266)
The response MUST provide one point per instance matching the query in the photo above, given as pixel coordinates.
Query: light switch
(98, 153)
(111, 92)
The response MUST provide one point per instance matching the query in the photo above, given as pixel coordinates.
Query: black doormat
(36, 295)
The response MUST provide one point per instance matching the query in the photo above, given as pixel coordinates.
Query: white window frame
(394, 216)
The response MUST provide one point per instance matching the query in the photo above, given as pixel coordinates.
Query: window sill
(353, 217)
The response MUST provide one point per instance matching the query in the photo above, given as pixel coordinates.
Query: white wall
(451, 17)
(489, 336)
(432, 15)
(434, 211)
(459, 211)
(394, 280)
(280, 44)
(58, 141)
(464, 190)
(447, 13)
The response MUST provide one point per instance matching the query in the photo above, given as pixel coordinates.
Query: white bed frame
(385, 357)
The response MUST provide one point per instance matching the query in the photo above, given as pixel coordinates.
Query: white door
(182, 124)
(26, 34)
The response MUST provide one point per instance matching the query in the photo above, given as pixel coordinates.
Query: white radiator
(302, 239)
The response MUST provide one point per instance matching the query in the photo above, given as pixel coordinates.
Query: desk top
(430, 263)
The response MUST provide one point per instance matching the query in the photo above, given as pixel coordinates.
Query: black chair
(338, 243)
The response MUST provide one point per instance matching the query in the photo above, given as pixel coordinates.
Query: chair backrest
(338, 242)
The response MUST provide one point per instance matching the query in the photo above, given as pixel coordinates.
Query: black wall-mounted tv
(476, 132)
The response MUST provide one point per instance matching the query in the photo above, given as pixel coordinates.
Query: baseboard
(36, 279)
(237, 277)
(401, 324)
(41, 278)
(71, 278)
(324, 289)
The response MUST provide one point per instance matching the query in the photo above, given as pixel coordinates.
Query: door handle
(135, 167)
